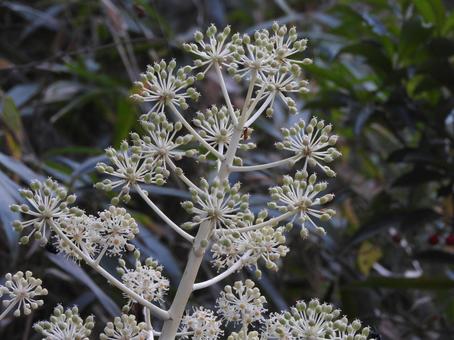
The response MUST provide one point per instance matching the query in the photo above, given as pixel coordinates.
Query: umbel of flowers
(219, 218)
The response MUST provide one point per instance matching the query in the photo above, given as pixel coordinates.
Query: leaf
(18, 168)
(9, 195)
(432, 11)
(61, 90)
(126, 118)
(23, 93)
(79, 274)
(368, 255)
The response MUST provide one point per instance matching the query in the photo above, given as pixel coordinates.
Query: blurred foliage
(383, 75)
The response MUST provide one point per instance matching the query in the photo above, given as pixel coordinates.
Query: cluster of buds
(125, 327)
(201, 324)
(22, 292)
(65, 324)
(48, 202)
(146, 279)
(299, 195)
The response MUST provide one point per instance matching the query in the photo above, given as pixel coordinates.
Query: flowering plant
(220, 222)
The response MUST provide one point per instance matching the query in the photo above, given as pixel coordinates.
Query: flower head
(312, 142)
(216, 49)
(161, 142)
(299, 195)
(116, 228)
(145, 279)
(202, 324)
(267, 244)
(22, 290)
(219, 203)
(242, 303)
(47, 202)
(65, 324)
(216, 127)
(345, 330)
(82, 231)
(254, 335)
(162, 86)
(125, 327)
(129, 167)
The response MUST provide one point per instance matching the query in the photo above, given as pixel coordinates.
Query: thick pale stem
(226, 94)
(287, 161)
(186, 180)
(238, 264)
(184, 291)
(156, 311)
(194, 132)
(164, 217)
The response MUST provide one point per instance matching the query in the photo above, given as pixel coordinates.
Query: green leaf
(432, 11)
(11, 116)
(126, 118)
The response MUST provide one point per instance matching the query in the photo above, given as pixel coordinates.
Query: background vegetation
(383, 75)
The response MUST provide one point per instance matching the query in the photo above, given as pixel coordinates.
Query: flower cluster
(219, 203)
(116, 228)
(267, 244)
(241, 303)
(129, 167)
(145, 280)
(313, 321)
(161, 142)
(125, 327)
(201, 324)
(254, 335)
(65, 324)
(216, 127)
(47, 202)
(312, 142)
(23, 292)
(82, 231)
(162, 86)
(299, 195)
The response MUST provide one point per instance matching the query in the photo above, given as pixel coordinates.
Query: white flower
(116, 227)
(162, 86)
(266, 243)
(242, 303)
(202, 324)
(219, 203)
(254, 335)
(125, 328)
(312, 142)
(22, 291)
(161, 142)
(65, 325)
(145, 279)
(82, 231)
(216, 127)
(312, 321)
(47, 202)
(217, 50)
(129, 167)
(299, 195)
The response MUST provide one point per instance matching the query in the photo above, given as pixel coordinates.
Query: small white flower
(312, 142)
(345, 330)
(216, 50)
(299, 195)
(125, 327)
(129, 167)
(22, 291)
(267, 244)
(116, 228)
(162, 86)
(161, 142)
(47, 202)
(254, 335)
(82, 231)
(145, 279)
(216, 127)
(219, 203)
(242, 303)
(65, 325)
(202, 324)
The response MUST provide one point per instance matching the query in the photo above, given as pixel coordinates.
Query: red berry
(396, 238)
(433, 239)
(449, 241)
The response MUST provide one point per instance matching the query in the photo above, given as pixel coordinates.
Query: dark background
(382, 75)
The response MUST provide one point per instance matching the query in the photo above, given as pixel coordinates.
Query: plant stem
(164, 217)
(271, 221)
(226, 94)
(158, 312)
(238, 264)
(7, 310)
(258, 167)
